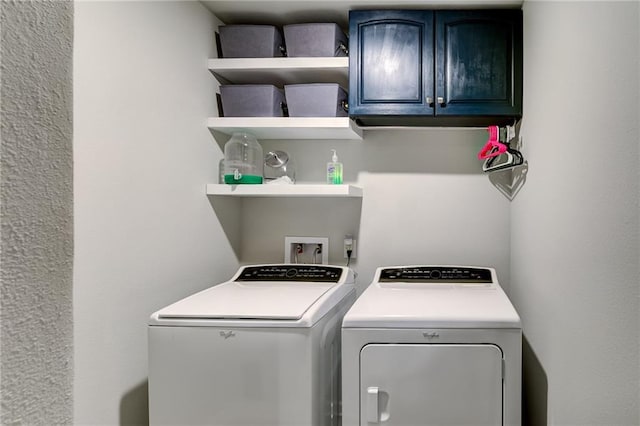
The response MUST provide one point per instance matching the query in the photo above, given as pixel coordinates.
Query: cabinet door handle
(429, 101)
(441, 101)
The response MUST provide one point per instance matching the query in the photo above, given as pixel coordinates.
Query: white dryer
(432, 345)
(260, 349)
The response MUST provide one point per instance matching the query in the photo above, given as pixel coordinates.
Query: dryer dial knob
(292, 272)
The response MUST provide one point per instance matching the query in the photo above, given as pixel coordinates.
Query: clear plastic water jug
(243, 160)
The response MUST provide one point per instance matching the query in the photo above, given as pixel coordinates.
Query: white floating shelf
(275, 190)
(280, 71)
(288, 127)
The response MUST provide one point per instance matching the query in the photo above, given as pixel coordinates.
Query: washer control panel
(307, 273)
(437, 274)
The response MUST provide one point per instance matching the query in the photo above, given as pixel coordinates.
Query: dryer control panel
(308, 273)
(438, 274)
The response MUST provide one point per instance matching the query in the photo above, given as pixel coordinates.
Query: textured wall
(36, 221)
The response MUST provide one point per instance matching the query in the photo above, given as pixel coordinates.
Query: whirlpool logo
(227, 334)
(430, 335)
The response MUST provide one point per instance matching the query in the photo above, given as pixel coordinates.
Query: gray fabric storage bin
(320, 39)
(316, 100)
(251, 100)
(251, 41)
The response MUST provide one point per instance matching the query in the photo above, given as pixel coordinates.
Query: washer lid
(271, 300)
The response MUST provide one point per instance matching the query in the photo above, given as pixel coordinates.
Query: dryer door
(431, 384)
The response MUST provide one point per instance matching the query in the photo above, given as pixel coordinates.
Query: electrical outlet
(306, 250)
(349, 243)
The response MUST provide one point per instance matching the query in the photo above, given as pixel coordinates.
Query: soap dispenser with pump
(334, 170)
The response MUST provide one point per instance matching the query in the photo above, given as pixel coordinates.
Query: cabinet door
(423, 384)
(390, 62)
(479, 62)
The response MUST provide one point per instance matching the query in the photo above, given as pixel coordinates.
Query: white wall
(425, 201)
(574, 234)
(36, 356)
(145, 233)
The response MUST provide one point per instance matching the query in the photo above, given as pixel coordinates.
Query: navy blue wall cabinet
(438, 68)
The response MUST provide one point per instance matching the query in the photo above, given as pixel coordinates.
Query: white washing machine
(260, 349)
(432, 345)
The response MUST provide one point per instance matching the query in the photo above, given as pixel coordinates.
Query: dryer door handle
(373, 414)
